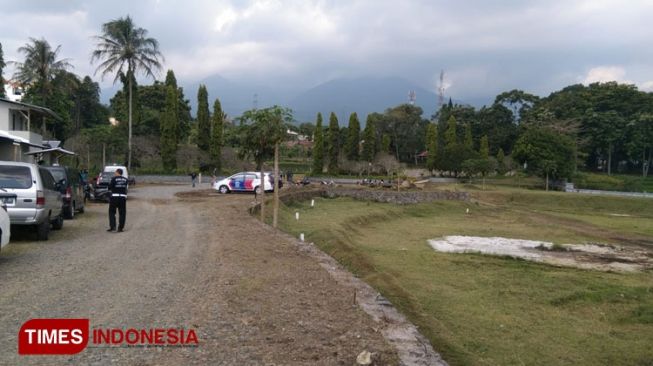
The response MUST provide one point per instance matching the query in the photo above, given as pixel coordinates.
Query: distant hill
(343, 96)
(361, 95)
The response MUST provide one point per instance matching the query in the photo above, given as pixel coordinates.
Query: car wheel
(257, 190)
(69, 213)
(224, 189)
(57, 224)
(43, 231)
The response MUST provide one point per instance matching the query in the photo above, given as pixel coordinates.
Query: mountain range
(363, 95)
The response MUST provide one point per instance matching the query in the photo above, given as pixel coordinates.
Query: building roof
(21, 140)
(56, 149)
(32, 107)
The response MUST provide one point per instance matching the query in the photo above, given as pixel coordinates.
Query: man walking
(118, 189)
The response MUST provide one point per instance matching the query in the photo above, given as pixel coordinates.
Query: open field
(484, 310)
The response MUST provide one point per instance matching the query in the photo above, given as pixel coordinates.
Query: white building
(18, 141)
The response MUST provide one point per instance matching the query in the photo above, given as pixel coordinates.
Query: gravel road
(193, 260)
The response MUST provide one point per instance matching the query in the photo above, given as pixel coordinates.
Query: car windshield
(19, 177)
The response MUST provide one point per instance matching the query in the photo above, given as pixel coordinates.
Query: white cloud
(484, 47)
(602, 74)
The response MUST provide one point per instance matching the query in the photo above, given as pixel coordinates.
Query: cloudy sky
(485, 47)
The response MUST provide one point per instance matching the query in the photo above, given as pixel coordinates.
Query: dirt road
(187, 262)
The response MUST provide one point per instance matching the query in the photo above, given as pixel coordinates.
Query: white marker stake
(301, 236)
(312, 203)
(296, 215)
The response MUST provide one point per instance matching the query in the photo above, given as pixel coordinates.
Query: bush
(598, 181)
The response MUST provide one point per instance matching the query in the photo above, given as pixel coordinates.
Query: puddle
(585, 256)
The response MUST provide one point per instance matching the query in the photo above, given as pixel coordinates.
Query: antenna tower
(411, 97)
(441, 90)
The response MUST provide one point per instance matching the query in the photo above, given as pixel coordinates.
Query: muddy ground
(192, 261)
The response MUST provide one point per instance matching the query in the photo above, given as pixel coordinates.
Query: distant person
(118, 189)
(193, 178)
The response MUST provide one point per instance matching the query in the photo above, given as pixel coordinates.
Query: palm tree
(126, 50)
(40, 68)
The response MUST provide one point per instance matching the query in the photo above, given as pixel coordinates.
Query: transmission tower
(441, 90)
(411, 97)
(255, 101)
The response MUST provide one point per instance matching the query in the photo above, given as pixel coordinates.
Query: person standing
(118, 189)
(193, 177)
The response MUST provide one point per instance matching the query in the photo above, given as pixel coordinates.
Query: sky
(484, 47)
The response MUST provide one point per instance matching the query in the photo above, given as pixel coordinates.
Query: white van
(113, 168)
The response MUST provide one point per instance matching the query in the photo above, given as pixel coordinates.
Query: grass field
(482, 310)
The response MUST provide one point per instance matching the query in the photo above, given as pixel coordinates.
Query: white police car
(244, 182)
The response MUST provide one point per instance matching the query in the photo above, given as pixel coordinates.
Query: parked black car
(71, 188)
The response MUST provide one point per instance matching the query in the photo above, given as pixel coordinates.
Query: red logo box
(53, 336)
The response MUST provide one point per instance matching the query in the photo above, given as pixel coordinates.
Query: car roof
(17, 163)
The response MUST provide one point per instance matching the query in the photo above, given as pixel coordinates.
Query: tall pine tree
(369, 140)
(318, 146)
(386, 143)
(432, 146)
(484, 150)
(203, 122)
(169, 131)
(469, 141)
(353, 137)
(171, 81)
(216, 135)
(450, 135)
(333, 144)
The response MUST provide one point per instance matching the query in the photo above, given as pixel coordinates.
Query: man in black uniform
(118, 188)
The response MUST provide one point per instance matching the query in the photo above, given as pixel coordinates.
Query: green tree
(606, 129)
(545, 153)
(2, 66)
(519, 101)
(469, 141)
(501, 164)
(369, 140)
(39, 70)
(183, 109)
(125, 49)
(216, 135)
(386, 143)
(353, 137)
(407, 130)
(203, 119)
(451, 134)
(89, 110)
(333, 147)
(169, 131)
(432, 147)
(318, 146)
(171, 82)
(484, 149)
(261, 139)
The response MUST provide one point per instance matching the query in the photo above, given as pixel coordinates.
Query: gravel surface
(193, 261)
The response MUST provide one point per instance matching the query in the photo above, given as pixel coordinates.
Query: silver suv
(37, 200)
